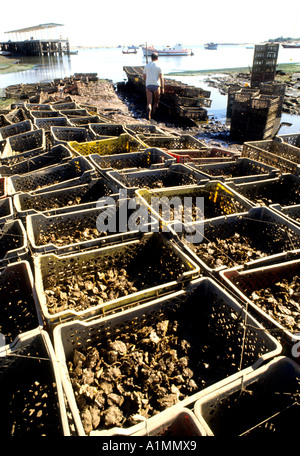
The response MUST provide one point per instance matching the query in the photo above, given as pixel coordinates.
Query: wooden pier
(26, 42)
(36, 47)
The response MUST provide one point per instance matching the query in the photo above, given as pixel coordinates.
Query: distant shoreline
(287, 67)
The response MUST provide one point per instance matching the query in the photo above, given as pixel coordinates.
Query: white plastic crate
(6, 209)
(106, 129)
(55, 156)
(13, 241)
(238, 171)
(175, 175)
(278, 238)
(274, 152)
(217, 313)
(13, 159)
(43, 114)
(62, 200)
(133, 245)
(244, 282)
(85, 120)
(62, 135)
(258, 404)
(32, 398)
(19, 312)
(219, 199)
(77, 112)
(15, 129)
(205, 155)
(83, 222)
(37, 107)
(293, 139)
(58, 105)
(284, 190)
(31, 142)
(46, 123)
(74, 171)
(145, 130)
(291, 212)
(147, 159)
(172, 142)
(177, 422)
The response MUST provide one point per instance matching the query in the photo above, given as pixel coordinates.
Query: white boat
(5, 53)
(211, 46)
(129, 50)
(166, 51)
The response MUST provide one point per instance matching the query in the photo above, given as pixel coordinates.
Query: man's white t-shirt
(152, 71)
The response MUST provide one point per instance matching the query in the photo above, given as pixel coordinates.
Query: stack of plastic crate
(283, 155)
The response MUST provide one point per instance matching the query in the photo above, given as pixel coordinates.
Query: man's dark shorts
(152, 88)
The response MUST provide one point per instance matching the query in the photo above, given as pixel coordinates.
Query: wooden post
(146, 53)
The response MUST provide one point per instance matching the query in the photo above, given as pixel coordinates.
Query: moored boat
(166, 51)
(129, 50)
(211, 46)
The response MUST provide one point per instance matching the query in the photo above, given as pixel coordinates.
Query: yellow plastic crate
(108, 146)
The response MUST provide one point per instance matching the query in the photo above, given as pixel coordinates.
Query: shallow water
(108, 63)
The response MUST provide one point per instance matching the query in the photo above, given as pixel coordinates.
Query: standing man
(154, 81)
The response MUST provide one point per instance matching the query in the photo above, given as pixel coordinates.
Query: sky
(159, 22)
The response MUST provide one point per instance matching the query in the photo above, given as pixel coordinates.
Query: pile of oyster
(156, 184)
(62, 235)
(45, 204)
(228, 252)
(79, 292)
(121, 379)
(145, 366)
(144, 265)
(281, 301)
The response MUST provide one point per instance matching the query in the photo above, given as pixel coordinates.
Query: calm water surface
(108, 64)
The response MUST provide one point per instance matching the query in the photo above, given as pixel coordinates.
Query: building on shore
(30, 41)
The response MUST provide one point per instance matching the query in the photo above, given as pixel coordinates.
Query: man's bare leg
(149, 103)
(156, 100)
